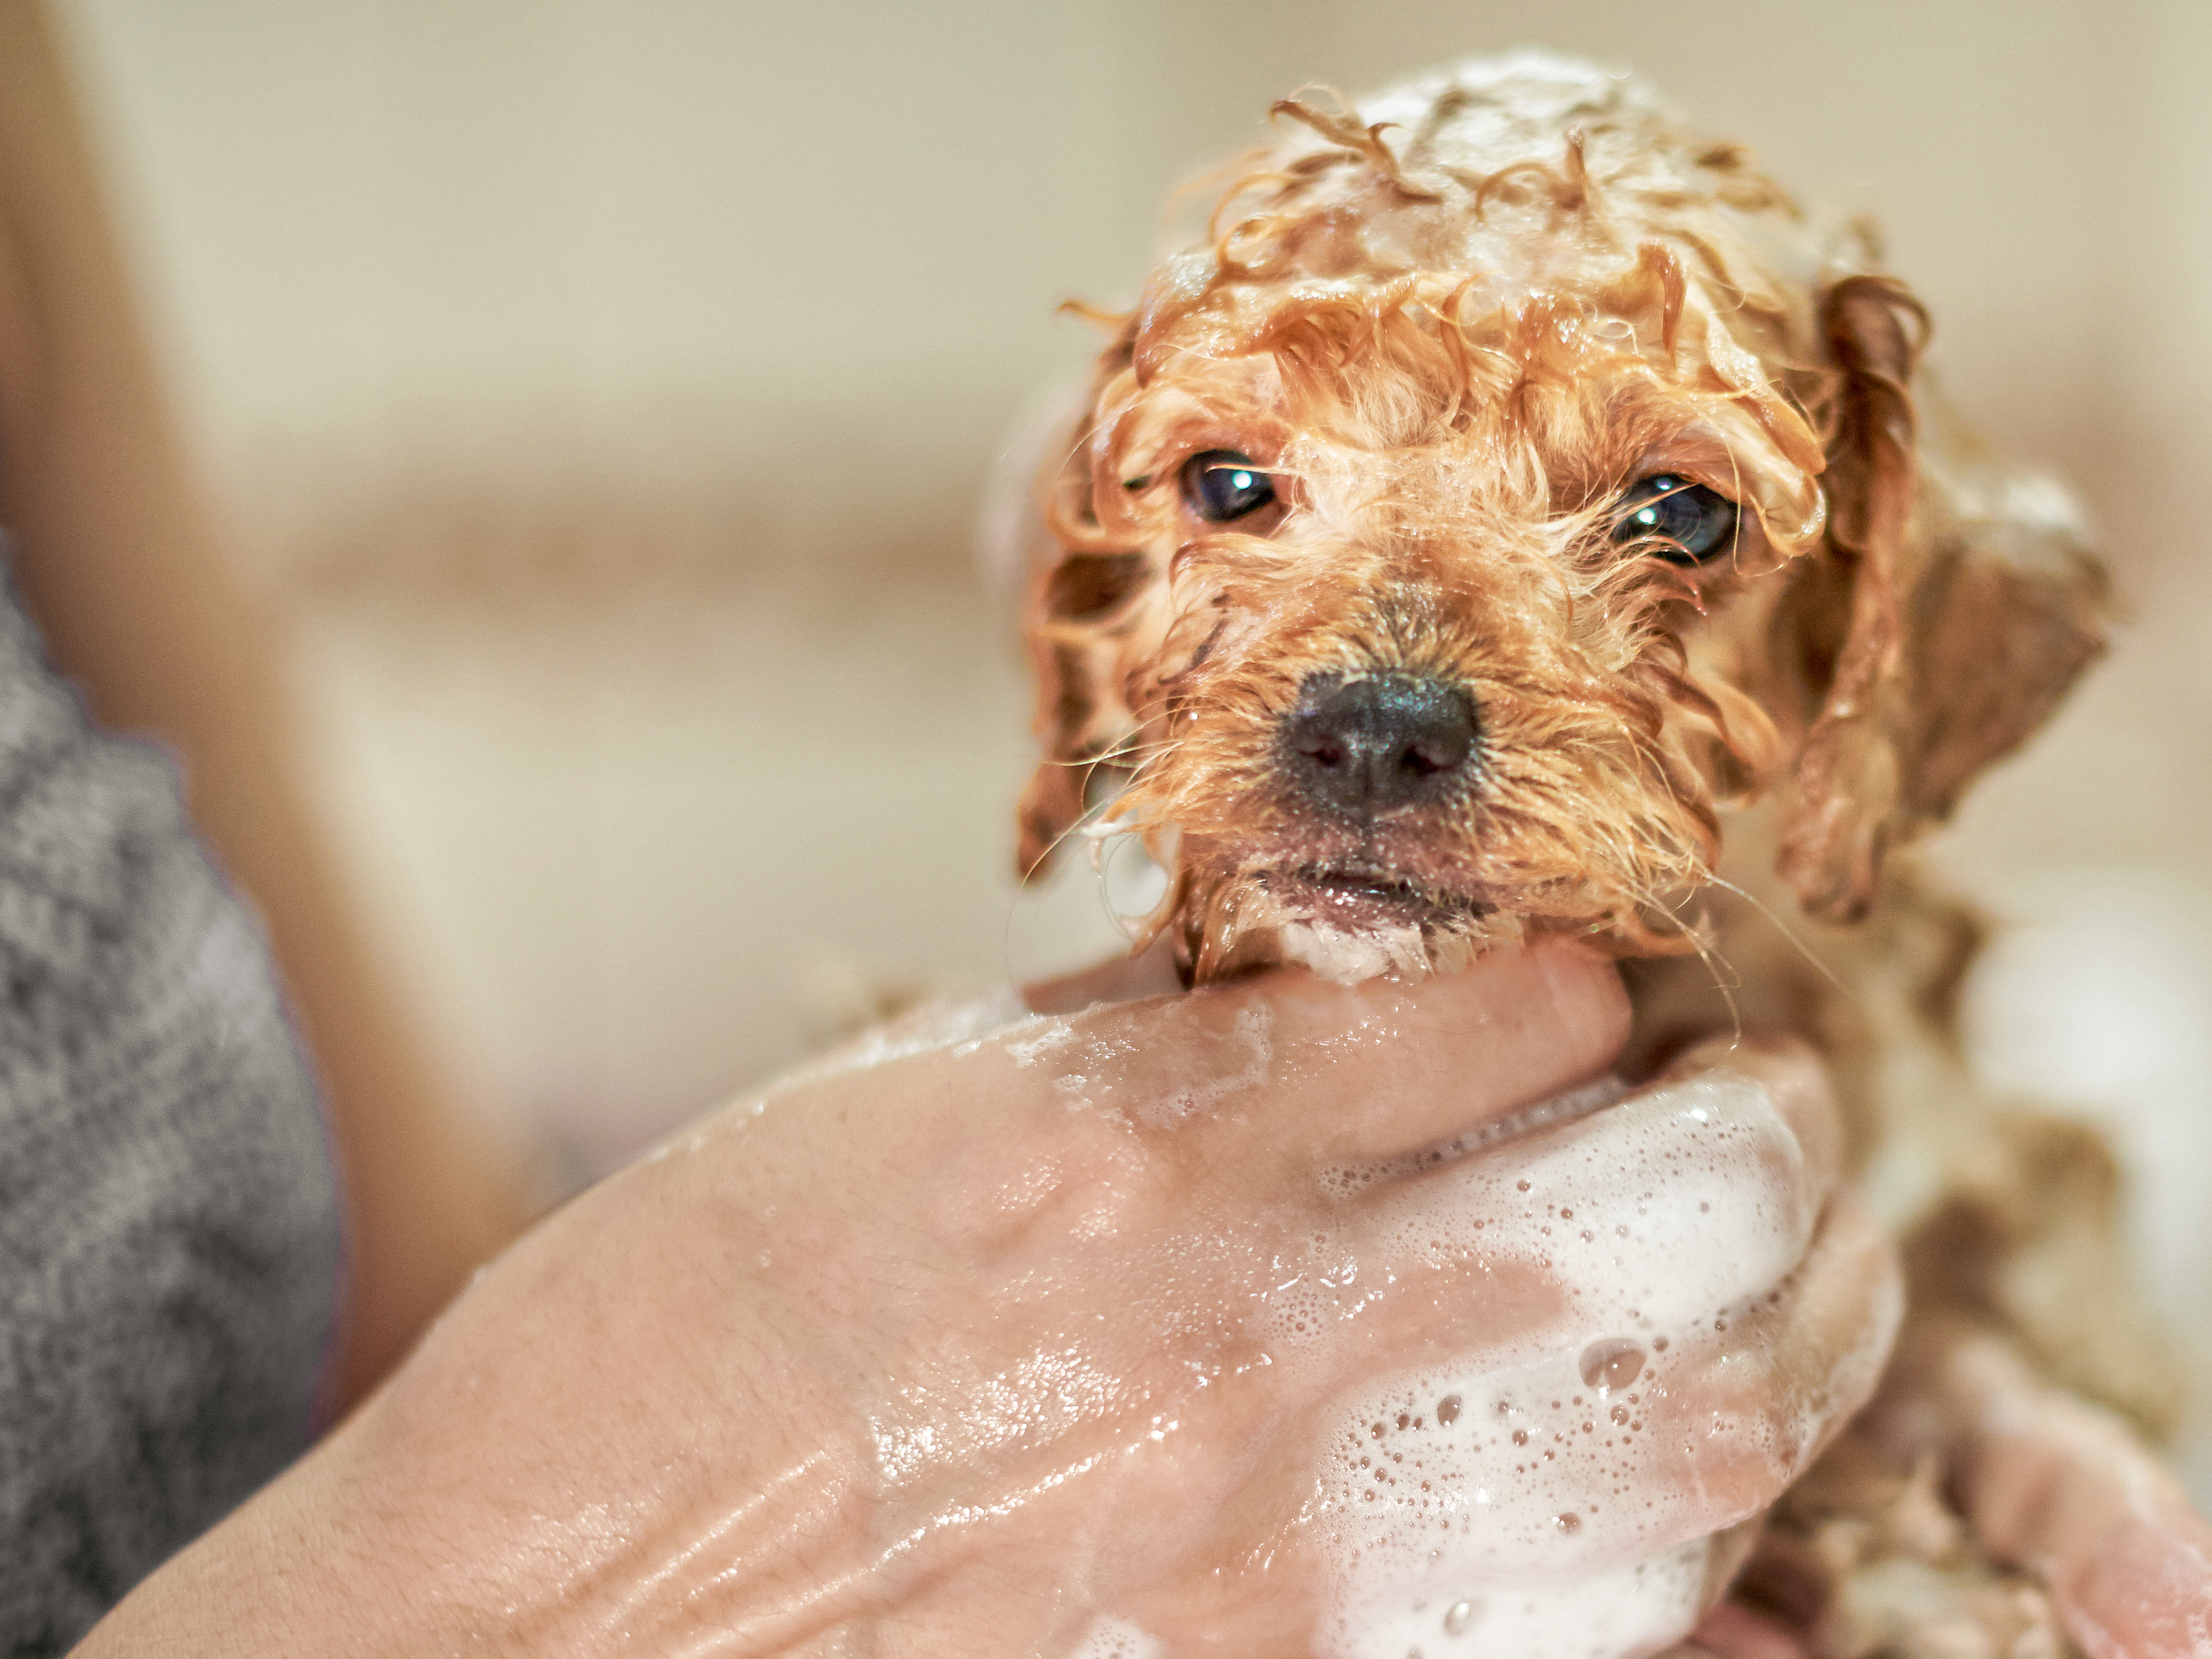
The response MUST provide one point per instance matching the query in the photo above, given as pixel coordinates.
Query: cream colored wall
(610, 381)
(820, 227)
(360, 213)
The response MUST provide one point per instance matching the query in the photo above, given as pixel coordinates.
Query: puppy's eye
(1681, 522)
(1221, 485)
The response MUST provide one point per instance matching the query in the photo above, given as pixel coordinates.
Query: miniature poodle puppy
(1513, 516)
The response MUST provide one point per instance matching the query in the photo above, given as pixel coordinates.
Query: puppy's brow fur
(1453, 324)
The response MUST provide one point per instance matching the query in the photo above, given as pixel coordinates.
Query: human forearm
(1054, 1328)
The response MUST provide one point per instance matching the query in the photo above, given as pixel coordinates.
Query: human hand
(2050, 1482)
(1033, 1341)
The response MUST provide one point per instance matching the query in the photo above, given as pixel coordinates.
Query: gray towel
(168, 1215)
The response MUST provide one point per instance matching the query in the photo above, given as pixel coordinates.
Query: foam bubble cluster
(1647, 1217)
(1637, 1607)
(1248, 1044)
(1117, 1639)
(1525, 1496)
(940, 1023)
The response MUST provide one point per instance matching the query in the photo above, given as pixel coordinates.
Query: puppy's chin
(1349, 924)
(1346, 925)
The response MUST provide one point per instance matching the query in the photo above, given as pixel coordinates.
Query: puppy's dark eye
(1683, 522)
(1221, 485)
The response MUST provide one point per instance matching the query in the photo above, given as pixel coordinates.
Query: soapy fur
(1454, 323)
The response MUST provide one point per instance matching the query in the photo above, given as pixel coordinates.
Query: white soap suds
(1485, 1477)
(1093, 1072)
(1044, 1036)
(1349, 957)
(1650, 1217)
(1250, 1043)
(941, 1024)
(1117, 1639)
(1346, 1181)
(1532, 1490)
(1636, 1608)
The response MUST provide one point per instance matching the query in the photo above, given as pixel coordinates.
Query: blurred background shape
(606, 388)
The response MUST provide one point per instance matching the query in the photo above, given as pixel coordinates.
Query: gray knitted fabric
(168, 1218)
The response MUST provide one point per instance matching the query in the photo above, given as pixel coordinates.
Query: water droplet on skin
(1611, 1362)
(1522, 1186)
(1460, 1615)
(1569, 1522)
(1519, 1437)
(1448, 1409)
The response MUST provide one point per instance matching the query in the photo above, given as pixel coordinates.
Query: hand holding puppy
(1022, 1341)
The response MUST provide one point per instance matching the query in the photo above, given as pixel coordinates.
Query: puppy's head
(1505, 486)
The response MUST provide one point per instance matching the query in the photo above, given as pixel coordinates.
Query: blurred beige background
(608, 386)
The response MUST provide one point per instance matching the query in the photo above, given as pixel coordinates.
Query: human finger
(1796, 1081)
(1629, 1223)
(1765, 1387)
(1602, 1479)
(1290, 1064)
(1729, 1632)
(2052, 1482)
(1150, 972)
(1651, 1411)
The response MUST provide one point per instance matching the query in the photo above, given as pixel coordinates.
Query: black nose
(1371, 744)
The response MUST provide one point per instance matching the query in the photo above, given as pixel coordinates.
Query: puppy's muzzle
(1362, 747)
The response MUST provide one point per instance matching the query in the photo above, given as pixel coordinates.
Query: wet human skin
(986, 1339)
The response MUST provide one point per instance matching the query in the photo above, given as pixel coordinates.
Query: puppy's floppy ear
(1074, 581)
(1051, 801)
(1956, 603)
(1846, 609)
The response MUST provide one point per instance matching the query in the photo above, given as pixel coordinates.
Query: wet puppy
(1512, 516)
